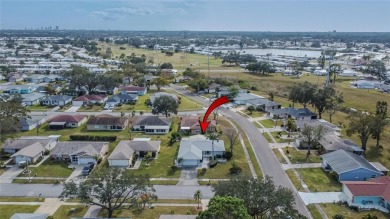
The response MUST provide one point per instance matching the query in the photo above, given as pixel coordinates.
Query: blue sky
(208, 15)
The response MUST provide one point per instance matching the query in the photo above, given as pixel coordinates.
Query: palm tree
(290, 125)
(213, 137)
(198, 196)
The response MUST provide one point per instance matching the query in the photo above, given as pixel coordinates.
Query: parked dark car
(87, 168)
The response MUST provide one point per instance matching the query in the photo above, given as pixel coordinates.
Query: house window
(357, 176)
(373, 176)
(149, 130)
(75, 159)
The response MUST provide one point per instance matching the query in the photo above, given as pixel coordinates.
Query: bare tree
(232, 134)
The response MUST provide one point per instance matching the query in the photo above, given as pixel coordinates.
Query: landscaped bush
(99, 160)
(92, 138)
(228, 155)
(235, 170)
(47, 152)
(213, 163)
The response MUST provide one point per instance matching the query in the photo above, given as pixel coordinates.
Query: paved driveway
(188, 177)
(321, 197)
(10, 174)
(75, 173)
(72, 109)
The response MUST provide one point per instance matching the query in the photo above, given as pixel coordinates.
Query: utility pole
(208, 60)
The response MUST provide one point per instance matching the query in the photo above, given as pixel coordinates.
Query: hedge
(92, 138)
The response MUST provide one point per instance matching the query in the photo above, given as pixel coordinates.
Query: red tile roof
(90, 97)
(375, 187)
(133, 88)
(67, 118)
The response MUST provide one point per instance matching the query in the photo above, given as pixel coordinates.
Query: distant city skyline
(198, 15)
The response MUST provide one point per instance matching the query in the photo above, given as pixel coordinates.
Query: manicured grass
(268, 123)
(124, 108)
(318, 180)
(301, 156)
(333, 209)
(6, 211)
(63, 212)
(151, 213)
(249, 148)
(140, 104)
(254, 114)
(185, 103)
(21, 199)
(295, 181)
(176, 201)
(281, 140)
(257, 125)
(161, 166)
(39, 108)
(206, 183)
(279, 156)
(90, 108)
(36, 181)
(64, 108)
(221, 171)
(314, 212)
(268, 137)
(164, 182)
(50, 169)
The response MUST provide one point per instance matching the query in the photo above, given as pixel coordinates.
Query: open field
(63, 212)
(149, 213)
(333, 209)
(179, 61)
(6, 211)
(319, 181)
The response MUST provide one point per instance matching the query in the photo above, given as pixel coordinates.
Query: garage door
(85, 160)
(189, 163)
(118, 163)
(77, 103)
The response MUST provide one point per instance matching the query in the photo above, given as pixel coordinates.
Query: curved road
(269, 164)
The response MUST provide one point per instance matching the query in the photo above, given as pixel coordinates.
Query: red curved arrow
(218, 102)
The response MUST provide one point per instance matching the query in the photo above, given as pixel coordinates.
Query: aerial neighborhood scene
(182, 109)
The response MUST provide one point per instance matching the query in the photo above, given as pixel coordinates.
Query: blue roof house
(349, 166)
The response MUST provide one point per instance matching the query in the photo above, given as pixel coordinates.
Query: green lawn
(295, 181)
(281, 140)
(161, 166)
(124, 108)
(90, 108)
(318, 180)
(21, 199)
(221, 171)
(164, 182)
(257, 125)
(140, 104)
(186, 104)
(333, 209)
(279, 156)
(268, 123)
(254, 114)
(50, 169)
(301, 156)
(64, 211)
(267, 137)
(6, 211)
(39, 108)
(314, 212)
(37, 181)
(151, 213)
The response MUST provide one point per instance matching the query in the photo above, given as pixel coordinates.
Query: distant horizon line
(258, 31)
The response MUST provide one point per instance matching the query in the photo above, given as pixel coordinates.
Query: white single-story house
(80, 152)
(86, 99)
(67, 121)
(348, 73)
(27, 124)
(105, 122)
(363, 84)
(192, 152)
(152, 124)
(56, 100)
(32, 99)
(15, 145)
(122, 156)
(30, 153)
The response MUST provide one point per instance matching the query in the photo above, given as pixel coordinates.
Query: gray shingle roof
(342, 161)
(32, 96)
(89, 148)
(22, 143)
(192, 149)
(333, 143)
(152, 121)
(57, 97)
(30, 151)
(125, 148)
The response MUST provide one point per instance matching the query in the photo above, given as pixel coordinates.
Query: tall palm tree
(198, 196)
(213, 137)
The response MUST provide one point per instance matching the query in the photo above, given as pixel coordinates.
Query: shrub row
(92, 138)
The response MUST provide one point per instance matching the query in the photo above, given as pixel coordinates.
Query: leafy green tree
(290, 126)
(160, 82)
(193, 74)
(233, 91)
(338, 216)
(166, 65)
(376, 68)
(363, 124)
(11, 111)
(50, 90)
(165, 105)
(302, 93)
(109, 188)
(334, 70)
(198, 84)
(333, 104)
(251, 109)
(265, 198)
(323, 99)
(381, 121)
(198, 197)
(225, 208)
(312, 135)
(80, 77)
(369, 216)
(231, 57)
